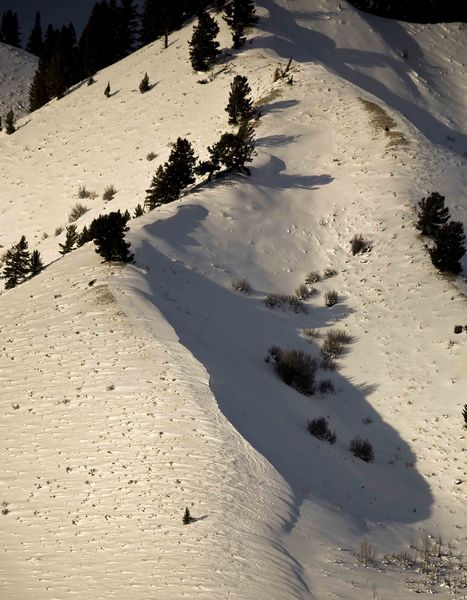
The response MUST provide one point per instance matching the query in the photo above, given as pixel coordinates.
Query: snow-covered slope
(17, 68)
(132, 392)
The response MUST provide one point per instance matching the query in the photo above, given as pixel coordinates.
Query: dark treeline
(416, 11)
(114, 29)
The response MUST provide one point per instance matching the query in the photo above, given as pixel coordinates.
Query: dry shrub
(296, 368)
(241, 285)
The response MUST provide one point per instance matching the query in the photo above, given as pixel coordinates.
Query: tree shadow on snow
(230, 334)
(272, 175)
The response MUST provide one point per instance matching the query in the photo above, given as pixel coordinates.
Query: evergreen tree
(36, 43)
(187, 518)
(84, 237)
(17, 264)
(139, 211)
(232, 151)
(35, 264)
(38, 94)
(107, 90)
(71, 239)
(126, 215)
(160, 17)
(144, 85)
(9, 30)
(203, 46)
(432, 214)
(10, 122)
(172, 177)
(127, 27)
(108, 232)
(240, 105)
(449, 247)
(99, 42)
(240, 15)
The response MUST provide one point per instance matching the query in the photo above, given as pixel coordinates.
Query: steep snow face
(150, 379)
(17, 69)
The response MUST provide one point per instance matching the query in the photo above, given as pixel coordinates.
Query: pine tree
(10, 122)
(127, 27)
(144, 85)
(84, 237)
(240, 105)
(203, 46)
(239, 16)
(232, 151)
(187, 518)
(432, 214)
(99, 43)
(35, 264)
(139, 211)
(71, 239)
(449, 247)
(9, 30)
(107, 90)
(108, 232)
(172, 177)
(17, 264)
(36, 43)
(38, 94)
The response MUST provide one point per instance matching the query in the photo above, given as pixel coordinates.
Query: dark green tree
(239, 16)
(204, 49)
(232, 152)
(36, 43)
(35, 264)
(240, 105)
(10, 122)
(17, 264)
(38, 93)
(144, 84)
(71, 239)
(99, 43)
(172, 177)
(139, 211)
(9, 29)
(108, 232)
(127, 31)
(84, 237)
(107, 90)
(187, 518)
(432, 214)
(449, 247)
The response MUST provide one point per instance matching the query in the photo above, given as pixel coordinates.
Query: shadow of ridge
(230, 334)
(306, 45)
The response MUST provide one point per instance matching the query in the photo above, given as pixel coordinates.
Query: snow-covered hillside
(17, 68)
(132, 392)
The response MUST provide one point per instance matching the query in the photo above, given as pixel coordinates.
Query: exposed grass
(382, 122)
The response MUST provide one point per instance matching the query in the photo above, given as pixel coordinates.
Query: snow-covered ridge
(130, 393)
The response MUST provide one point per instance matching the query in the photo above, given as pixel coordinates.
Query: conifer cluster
(19, 264)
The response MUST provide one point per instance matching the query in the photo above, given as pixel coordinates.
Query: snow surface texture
(17, 68)
(132, 392)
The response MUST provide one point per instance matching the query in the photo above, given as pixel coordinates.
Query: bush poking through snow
(326, 386)
(303, 292)
(109, 193)
(464, 414)
(358, 244)
(58, 230)
(319, 429)
(328, 364)
(281, 300)
(296, 368)
(334, 343)
(151, 156)
(311, 333)
(241, 285)
(362, 449)
(331, 298)
(458, 328)
(328, 273)
(76, 212)
(312, 277)
(83, 193)
(366, 554)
